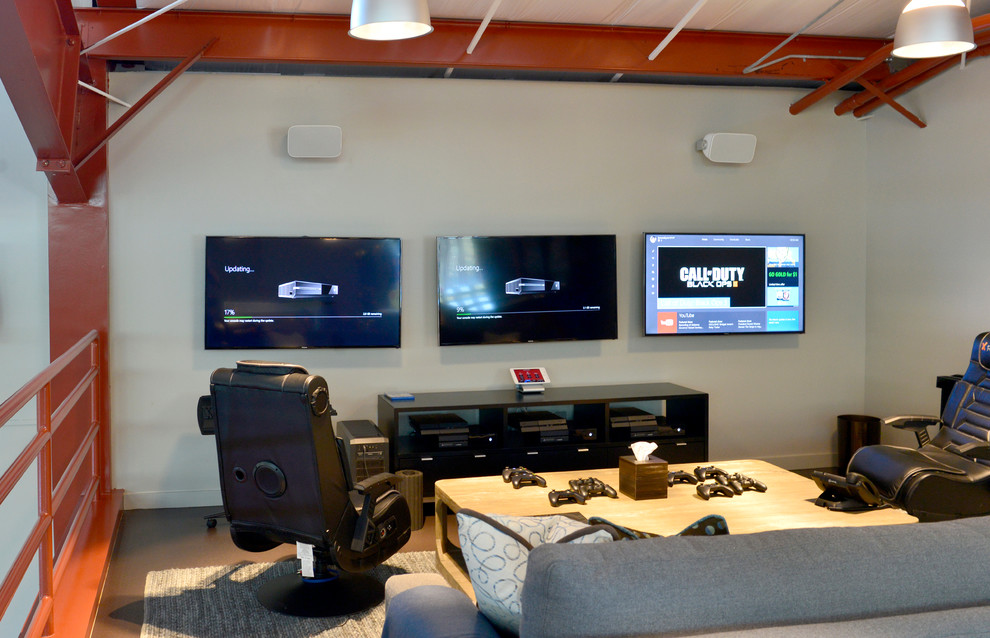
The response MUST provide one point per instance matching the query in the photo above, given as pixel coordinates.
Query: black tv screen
(514, 289)
(724, 284)
(302, 292)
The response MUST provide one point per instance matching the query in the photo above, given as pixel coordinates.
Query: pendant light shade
(933, 29)
(389, 19)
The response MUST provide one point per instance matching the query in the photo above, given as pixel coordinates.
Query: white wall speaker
(318, 141)
(728, 148)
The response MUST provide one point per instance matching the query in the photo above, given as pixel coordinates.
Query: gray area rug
(208, 602)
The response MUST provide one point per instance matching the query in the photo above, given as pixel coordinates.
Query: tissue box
(641, 480)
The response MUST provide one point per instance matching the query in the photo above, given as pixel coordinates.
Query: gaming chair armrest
(376, 485)
(912, 422)
(372, 489)
(206, 415)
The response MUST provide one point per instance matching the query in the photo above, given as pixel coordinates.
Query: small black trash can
(855, 431)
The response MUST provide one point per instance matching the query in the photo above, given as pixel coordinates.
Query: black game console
(438, 423)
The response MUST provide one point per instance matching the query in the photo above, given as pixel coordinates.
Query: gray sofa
(926, 579)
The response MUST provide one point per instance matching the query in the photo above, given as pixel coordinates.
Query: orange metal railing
(87, 473)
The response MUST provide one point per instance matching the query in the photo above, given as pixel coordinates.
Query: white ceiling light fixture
(933, 29)
(389, 19)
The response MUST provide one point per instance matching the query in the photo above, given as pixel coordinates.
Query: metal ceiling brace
(141, 103)
(756, 65)
(918, 80)
(677, 29)
(980, 24)
(92, 88)
(135, 25)
(843, 78)
(483, 26)
(909, 77)
(869, 86)
(40, 68)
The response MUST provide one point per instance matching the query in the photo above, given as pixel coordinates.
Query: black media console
(478, 433)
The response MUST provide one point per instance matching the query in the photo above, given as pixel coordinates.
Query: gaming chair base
(344, 594)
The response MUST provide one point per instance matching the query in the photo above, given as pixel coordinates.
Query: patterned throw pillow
(496, 549)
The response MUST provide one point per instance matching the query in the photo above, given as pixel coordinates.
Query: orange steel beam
(857, 70)
(908, 78)
(886, 99)
(943, 66)
(143, 102)
(250, 37)
(40, 69)
(889, 84)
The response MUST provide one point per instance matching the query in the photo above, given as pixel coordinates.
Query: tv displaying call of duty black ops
(302, 292)
(512, 289)
(724, 284)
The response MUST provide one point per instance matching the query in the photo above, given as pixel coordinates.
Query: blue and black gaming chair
(947, 476)
(283, 481)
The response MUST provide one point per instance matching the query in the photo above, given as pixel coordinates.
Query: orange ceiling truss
(43, 72)
(323, 39)
(43, 61)
(703, 56)
(875, 94)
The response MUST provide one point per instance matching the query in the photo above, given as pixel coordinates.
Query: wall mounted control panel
(530, 379)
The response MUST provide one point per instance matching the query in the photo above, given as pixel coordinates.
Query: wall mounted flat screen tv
(724, 284)
(517, 289)
(302, 292)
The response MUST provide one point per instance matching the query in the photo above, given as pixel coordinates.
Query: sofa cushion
(434, 611)
(712, 584)
(496, 549)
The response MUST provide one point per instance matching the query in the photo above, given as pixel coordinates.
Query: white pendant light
(933, 29)
(389, 19)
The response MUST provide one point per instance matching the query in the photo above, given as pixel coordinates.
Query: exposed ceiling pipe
(754, 66)
(147, 18)
(483, 26)
(677, 29)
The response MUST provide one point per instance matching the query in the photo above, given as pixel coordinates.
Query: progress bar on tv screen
(523, 312)
(372, 315)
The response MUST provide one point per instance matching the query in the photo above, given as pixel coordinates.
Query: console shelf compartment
(494, 443)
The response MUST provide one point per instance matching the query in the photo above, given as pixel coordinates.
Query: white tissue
(643, 449)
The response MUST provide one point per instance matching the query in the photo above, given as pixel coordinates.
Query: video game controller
(509, 471)
(708, 490)
(740, 483)
(592, 487)
(709, 471)
(680, 476)
(521, 479)
(557, 497)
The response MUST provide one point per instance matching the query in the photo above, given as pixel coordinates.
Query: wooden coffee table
(788, 503)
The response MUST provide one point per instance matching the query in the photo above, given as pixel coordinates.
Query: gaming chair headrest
(981, 350)
(269, 367)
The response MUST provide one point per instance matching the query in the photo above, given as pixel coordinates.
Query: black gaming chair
(948, 476)
(282, 481)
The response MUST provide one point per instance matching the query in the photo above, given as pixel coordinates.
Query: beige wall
(423, 158)
(928, 293)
